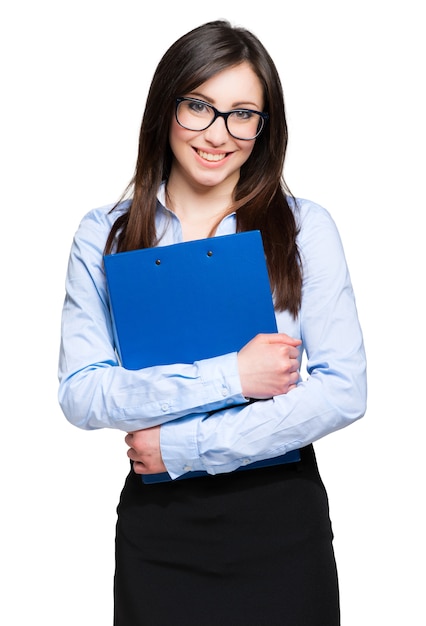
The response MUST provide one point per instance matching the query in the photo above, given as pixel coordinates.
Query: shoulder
(95, 225)
(318, 236)
(312, 219)
(309, 214)
(85, 265)
(102, 218)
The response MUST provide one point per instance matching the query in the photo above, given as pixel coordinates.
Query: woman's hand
(145, 452)
(269, 365)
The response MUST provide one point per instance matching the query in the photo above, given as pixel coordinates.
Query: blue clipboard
(189, 301)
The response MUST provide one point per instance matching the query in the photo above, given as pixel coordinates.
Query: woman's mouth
(208, 156)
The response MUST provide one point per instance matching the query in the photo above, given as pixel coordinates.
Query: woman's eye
(198, 107)
(243, 115)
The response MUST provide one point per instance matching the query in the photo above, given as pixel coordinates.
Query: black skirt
(250, 548)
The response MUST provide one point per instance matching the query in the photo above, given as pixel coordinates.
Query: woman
(251, 547)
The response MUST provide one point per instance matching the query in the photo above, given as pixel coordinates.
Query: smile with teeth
(208, 156)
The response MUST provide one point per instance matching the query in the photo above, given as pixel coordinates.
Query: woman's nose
(217, 133)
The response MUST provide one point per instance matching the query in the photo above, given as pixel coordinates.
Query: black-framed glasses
(197, 115)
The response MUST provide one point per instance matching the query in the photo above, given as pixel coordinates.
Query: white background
(74, 80)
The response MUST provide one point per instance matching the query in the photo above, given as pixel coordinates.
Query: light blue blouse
(207, 424)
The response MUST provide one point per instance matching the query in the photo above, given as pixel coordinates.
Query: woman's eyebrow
(240, 104)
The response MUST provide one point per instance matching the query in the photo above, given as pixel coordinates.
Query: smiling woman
(211, 544)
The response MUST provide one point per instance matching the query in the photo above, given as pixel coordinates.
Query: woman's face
(212, 157)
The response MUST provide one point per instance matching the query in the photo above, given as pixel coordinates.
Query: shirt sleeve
(332, 395)
(94, 390)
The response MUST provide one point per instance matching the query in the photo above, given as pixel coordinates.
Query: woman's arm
(268, 364)
(95, 391)
(332, 396)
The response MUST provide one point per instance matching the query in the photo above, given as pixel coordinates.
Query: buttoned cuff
(179, 448)
(223, 375)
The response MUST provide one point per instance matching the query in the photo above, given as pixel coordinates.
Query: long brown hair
(261, 196)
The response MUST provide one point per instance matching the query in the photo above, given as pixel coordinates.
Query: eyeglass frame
(263, 116)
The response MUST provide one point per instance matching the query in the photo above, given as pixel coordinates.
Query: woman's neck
(199, 210)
